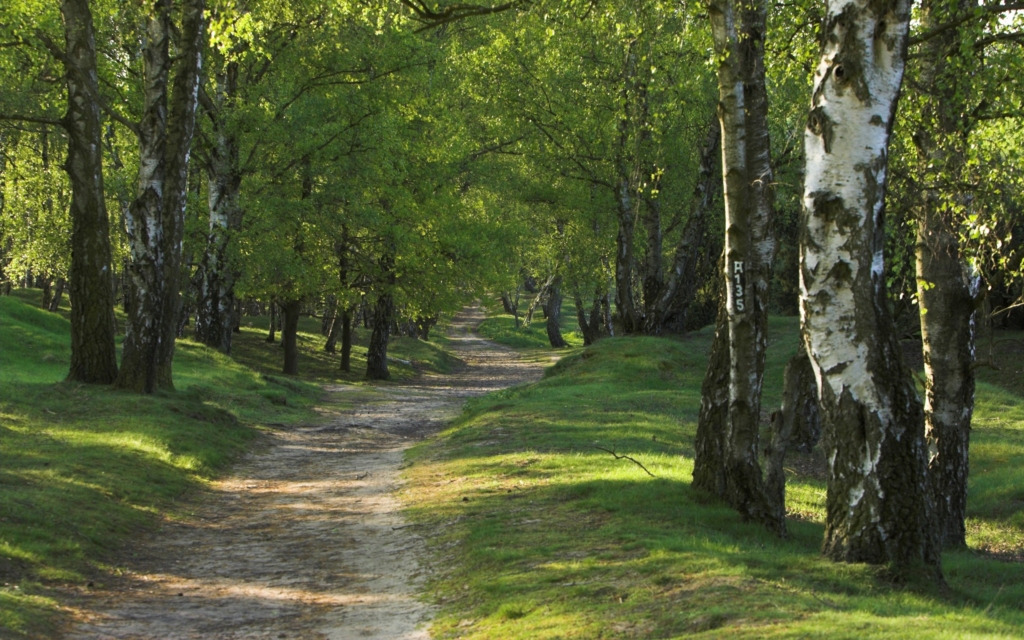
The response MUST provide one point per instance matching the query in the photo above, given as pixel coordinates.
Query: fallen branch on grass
(620, 457)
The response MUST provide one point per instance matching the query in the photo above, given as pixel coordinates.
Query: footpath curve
(304, 539)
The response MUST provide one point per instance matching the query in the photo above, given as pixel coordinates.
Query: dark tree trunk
(537, 301)
(383, 317)
(346, 340)
(946, 287)
(45, 284)
(554, 315)
(732, 469)
(366, 312)
(58, 293)
(290, 310)
(423, 327)
(800, 414)
(606, 314)
(377, 351)
(624, 299)
(506, 303)
(591, 328)
(224, 177)
(332, 335)
(330, 312)
(273, 321)
(678, 290)
(709, 464)
(93, 357)
(529, 283)
(947, 329)
(654, 270)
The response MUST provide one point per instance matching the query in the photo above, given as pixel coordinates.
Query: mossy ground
(539, 534)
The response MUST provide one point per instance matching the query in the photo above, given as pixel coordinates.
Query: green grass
(84, 468)
(538, 534)
(501, 327)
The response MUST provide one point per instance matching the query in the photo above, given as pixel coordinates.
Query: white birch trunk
(878, 504)
(727, 436)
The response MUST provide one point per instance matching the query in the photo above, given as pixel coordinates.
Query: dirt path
(305, 538)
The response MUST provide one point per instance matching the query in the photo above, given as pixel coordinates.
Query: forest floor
(304, 538)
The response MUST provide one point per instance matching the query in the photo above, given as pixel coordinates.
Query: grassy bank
(540, 534)
(502, 328)
(83, 468)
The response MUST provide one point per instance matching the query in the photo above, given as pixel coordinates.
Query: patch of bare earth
(305, 539)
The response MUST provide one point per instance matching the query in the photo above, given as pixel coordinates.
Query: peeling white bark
(878, 504)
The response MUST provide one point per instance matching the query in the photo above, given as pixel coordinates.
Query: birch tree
(727, 433)
(878, 506)
(155, 219)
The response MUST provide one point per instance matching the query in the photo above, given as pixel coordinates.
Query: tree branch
(981, 12)
(619, 457)
(14, 117)
(431, 18)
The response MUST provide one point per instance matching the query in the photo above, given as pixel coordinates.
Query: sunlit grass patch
(501, 327)
(529, 515)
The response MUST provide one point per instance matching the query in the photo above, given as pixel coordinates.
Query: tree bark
(383, 317)
(58, 293)
(346, 339)
(144, 218)
(224, 179)
(377, 350)
(423, 327)
(733, 470)
(273, 321)
(332, 335)
(946, 287)
(330, 312)
(948, 335)
(289, 334)
(654, 269)
(878, 508)
(591, 328)
(46, 285)
(676, 290)
(156, 218)
(506, 303)
(554, 315)
(625, 302)
(800, 413)
(93, 357)
(541, 293)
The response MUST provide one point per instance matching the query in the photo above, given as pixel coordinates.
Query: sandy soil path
(305, 538)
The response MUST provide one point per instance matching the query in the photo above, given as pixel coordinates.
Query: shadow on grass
(544, 536)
